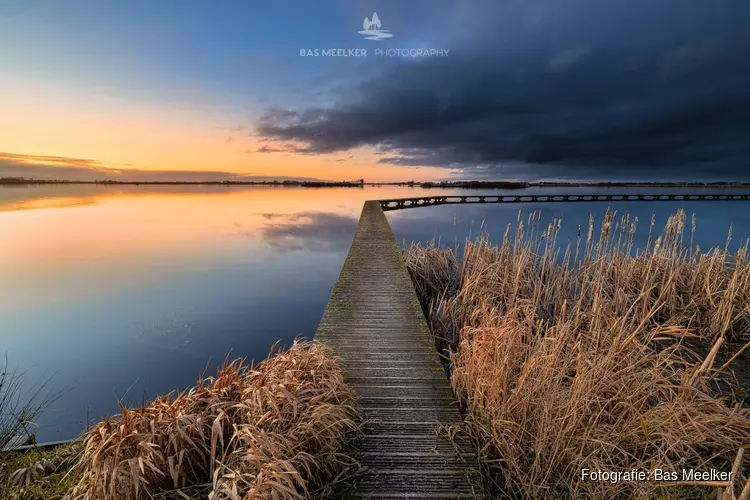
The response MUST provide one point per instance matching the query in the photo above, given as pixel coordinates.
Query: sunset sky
(214, 90)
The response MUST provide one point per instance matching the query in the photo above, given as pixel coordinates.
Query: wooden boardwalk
(428, 201)
(375, 324)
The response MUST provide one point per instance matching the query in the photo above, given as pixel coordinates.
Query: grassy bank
(276, 430)
(594, 355)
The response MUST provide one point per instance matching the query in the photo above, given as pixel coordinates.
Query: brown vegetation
(275, 430)
(19, 406)
(587, 356)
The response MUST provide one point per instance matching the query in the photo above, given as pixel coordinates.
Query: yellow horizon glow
(116, 134)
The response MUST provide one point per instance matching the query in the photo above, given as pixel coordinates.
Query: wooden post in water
(375, 324)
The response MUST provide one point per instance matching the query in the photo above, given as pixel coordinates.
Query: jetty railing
(427, 201)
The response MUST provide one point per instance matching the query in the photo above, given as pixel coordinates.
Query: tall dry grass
(590, 356)
(20, 405)
(275, 430)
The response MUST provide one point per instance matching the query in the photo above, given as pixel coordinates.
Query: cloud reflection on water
(308, 231)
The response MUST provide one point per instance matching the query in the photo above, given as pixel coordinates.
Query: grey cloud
(235, 128)
(620, 89)
(310, 231)
(690, 56)
(568, 57)
(284, 148)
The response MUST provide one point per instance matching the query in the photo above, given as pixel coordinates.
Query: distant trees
(372, 25)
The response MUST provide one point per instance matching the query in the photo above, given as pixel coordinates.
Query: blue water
(120, 294)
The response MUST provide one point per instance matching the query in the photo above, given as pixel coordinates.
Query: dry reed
(275, 430)
(577, 357)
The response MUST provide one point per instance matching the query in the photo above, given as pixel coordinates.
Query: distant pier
(427, 201)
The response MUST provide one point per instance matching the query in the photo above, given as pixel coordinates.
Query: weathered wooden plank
(373, 321)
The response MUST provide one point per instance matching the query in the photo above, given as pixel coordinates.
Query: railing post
(398, 204)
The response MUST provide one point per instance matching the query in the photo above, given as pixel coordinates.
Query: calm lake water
(124, 293)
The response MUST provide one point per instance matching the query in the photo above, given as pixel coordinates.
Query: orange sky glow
(116, 134)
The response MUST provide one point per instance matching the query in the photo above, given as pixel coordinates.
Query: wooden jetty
(375, 324)
(427, 201)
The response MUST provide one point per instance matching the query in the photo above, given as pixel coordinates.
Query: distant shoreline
(13, 181)
(523, 185)
(17, 181)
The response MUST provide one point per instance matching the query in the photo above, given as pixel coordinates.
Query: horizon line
(362, 182)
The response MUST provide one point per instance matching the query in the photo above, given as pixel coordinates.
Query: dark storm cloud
(311, 231)
(286, 148)
(267, 149)
(557, 89)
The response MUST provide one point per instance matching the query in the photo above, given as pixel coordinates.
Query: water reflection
(132, 291)
(452, 225)
(35, 196)
(309, 231)
(135, 292)
(173, 333)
